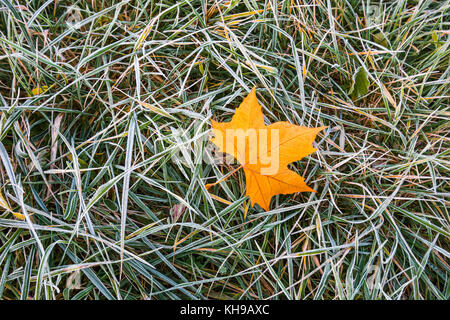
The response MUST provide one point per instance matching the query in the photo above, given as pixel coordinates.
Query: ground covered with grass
(105, 114)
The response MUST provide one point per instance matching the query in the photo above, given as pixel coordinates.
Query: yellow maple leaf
(264, 151)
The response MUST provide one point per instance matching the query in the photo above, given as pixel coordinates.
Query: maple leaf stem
(209, 185)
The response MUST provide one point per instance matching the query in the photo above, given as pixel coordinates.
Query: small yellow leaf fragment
(4, 205)
(39, 90)
(18, 215)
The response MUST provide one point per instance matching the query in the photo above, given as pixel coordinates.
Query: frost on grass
(100, 200)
